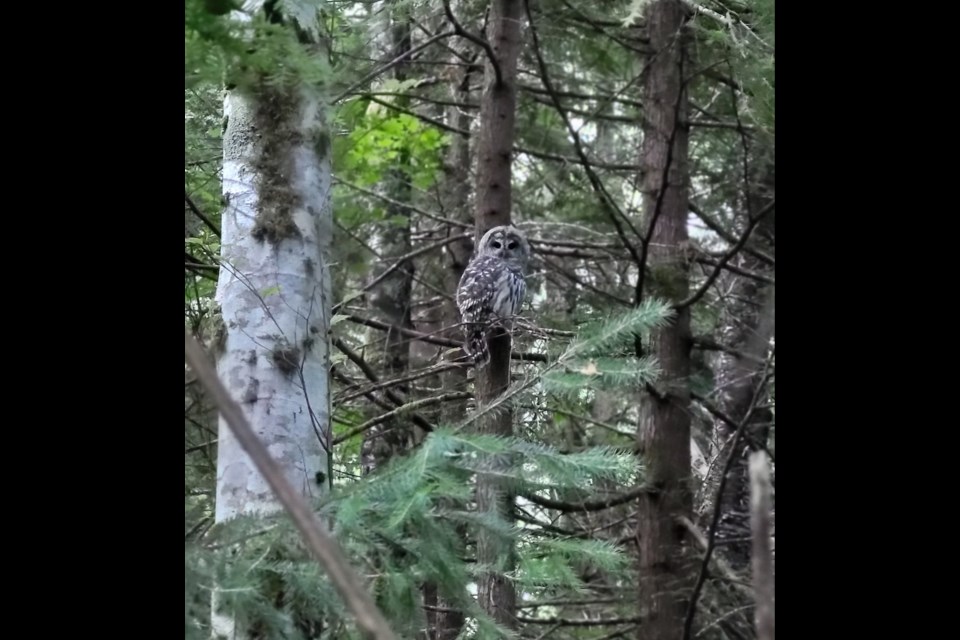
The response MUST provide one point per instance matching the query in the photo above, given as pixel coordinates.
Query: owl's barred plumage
(492, 287)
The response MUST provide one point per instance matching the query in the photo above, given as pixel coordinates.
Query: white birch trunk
(274, 294)
(274, 290)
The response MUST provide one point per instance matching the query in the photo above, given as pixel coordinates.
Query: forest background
(611, 473)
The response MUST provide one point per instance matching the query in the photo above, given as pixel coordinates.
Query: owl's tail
(476, 347)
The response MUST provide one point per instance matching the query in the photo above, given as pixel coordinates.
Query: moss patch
(276, 113)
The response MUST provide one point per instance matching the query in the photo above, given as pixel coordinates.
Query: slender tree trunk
(496, 593)
(274, 290)
(664, 427)
(391, 298)
(750, 327)
(274, 294)
(446, 623)
(763, 575)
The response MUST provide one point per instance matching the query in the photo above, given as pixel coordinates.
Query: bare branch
(426, 337)
(406, 408)
(460, 31)
(390, 65)
(593, 505)
(610, 207)
(696, 295)
(196, 211)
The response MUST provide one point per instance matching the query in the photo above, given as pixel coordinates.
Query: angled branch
(610, 207)
(463, 33)
(718, 229)
(390, 65)
(696, 295)
(406, 408)
(368, 371)
(592, 505)
(196, 211)
(444, 342)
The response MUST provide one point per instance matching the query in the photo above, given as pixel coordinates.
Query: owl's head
(507, 243)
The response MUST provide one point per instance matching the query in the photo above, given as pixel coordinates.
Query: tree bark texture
(763, 575)
(446, 622)
(664, 426)
(496, 594)
(274, 291)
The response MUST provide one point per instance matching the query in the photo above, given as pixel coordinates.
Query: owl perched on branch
(492, 288)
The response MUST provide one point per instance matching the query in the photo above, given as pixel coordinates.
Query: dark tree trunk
(446, 622)
(391, 298)
(664, 426)
(750, 327)
(496, 593)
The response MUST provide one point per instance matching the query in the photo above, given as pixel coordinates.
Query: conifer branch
(609, 205)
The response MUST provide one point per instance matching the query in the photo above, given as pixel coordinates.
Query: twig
(197, 212)
(460, 31)
(390, 65)
(718, 506)
(324, 548)
(444, 342)
(399, 261)
(410, 406)
(696, 295)
(595, 505)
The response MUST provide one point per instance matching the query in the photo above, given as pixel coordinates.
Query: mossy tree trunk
(274, 293)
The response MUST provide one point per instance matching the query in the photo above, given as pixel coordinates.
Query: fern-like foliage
(404, 527)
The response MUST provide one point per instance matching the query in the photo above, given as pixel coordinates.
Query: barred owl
(492, 287)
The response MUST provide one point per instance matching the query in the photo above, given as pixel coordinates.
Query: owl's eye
(512, 245)
(495, 245)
